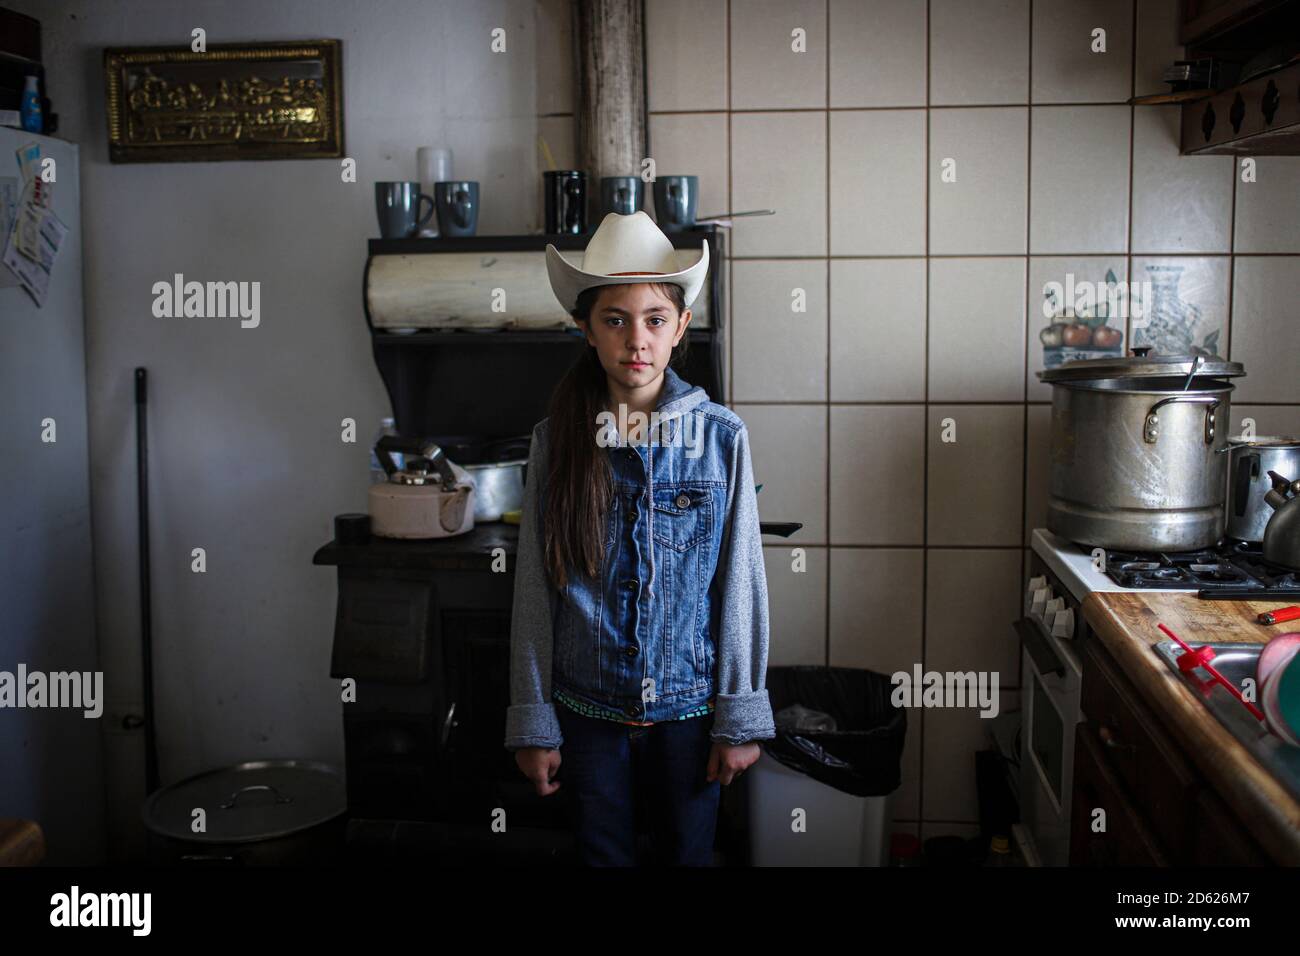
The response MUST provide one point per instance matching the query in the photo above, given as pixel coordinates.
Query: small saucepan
(495, 468)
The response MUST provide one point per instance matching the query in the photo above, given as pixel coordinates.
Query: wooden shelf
(496, 337)
(499, 380)
(1260, 117)
(688, 239)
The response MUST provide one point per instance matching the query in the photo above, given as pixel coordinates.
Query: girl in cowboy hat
(640, 603)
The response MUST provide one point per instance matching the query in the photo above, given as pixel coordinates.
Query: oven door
(1050, 704)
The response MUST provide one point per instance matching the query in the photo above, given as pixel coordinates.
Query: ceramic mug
(397, 204)
(675, 202)
(457, 202)
(621, 194)
(566, 201)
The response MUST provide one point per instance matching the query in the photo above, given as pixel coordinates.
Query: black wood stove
(423, 627)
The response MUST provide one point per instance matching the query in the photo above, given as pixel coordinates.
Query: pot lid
(415, 471)
(258, 800)
(420, 471)
(1265, 441)
(489, 465)
(1146, 365)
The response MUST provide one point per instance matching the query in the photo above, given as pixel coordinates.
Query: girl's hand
(727, 761)
(539, 764)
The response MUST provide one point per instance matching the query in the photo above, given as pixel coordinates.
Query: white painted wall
(246, 461)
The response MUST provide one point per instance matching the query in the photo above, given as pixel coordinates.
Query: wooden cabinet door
(1147, 763)
(1219, 839)
(1126, 839)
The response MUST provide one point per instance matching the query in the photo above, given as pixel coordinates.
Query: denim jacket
(678, 612)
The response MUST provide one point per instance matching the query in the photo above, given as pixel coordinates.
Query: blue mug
(675, 202)
(621, 194)
(397, 204)
(457, 204)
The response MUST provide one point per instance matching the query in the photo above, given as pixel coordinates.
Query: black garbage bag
(863, 755)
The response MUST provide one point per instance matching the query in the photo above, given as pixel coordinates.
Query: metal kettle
(1282, 534)
(428, 498)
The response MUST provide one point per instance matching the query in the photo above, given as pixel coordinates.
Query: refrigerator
(51, 758)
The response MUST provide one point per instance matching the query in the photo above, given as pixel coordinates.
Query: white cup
(433, 165)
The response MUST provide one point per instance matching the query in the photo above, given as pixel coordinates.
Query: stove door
(1050, 703)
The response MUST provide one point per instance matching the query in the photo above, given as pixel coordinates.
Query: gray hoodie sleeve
(530, 719)
(742, 711)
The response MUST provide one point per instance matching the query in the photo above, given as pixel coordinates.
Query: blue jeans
(605, 764)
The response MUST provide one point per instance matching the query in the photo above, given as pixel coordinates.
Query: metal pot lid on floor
(1143, 366)
(258, 800)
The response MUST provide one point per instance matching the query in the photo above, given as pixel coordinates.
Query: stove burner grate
(1234, 564)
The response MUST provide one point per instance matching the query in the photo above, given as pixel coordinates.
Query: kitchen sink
(1237, 662)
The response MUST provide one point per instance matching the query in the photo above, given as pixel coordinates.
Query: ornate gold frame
(245, 122)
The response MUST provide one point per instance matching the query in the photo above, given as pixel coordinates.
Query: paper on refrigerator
(35, 234)
(8, 213)
(34, 276)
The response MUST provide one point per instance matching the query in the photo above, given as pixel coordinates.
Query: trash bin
(822, 797)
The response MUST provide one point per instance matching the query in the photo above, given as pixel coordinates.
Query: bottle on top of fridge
(30, 110)
(377, 474)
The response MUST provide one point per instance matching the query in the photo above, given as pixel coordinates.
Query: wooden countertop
(1125, 622)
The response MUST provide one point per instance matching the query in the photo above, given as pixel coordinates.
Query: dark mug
(675, 202)
(566, 201)
(621, 194)
(397, 204)
(457, 202)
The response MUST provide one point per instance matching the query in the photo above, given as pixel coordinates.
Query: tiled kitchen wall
(923, 299)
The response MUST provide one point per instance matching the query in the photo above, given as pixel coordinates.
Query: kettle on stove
(430, 497)
(1282, 534)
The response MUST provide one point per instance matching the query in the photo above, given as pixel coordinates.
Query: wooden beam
(609, 108)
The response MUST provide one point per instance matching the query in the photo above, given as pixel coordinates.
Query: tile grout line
(879, 109)
(731, 264)
(1065, 254)
(1132, 159)
(917, 546)
(1025, 308)
(1232, 263)
(1029, 231)
(925, 442)
(888, 403)
(1024, 405)
(826, 409)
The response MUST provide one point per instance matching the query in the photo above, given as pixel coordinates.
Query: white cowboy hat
(623, 250)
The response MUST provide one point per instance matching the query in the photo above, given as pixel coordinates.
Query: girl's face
(634, 328)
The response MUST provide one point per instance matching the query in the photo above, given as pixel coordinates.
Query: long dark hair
(580, 483)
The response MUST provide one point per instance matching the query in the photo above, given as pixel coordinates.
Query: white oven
(1051, 684)
(1052, 634)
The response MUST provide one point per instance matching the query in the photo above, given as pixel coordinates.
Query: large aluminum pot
(1138, 451)
(263, 812)
(1249, 462)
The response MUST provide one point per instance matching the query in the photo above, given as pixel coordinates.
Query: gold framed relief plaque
(280, 100)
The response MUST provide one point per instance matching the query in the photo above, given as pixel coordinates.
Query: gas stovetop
(1232, 566)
